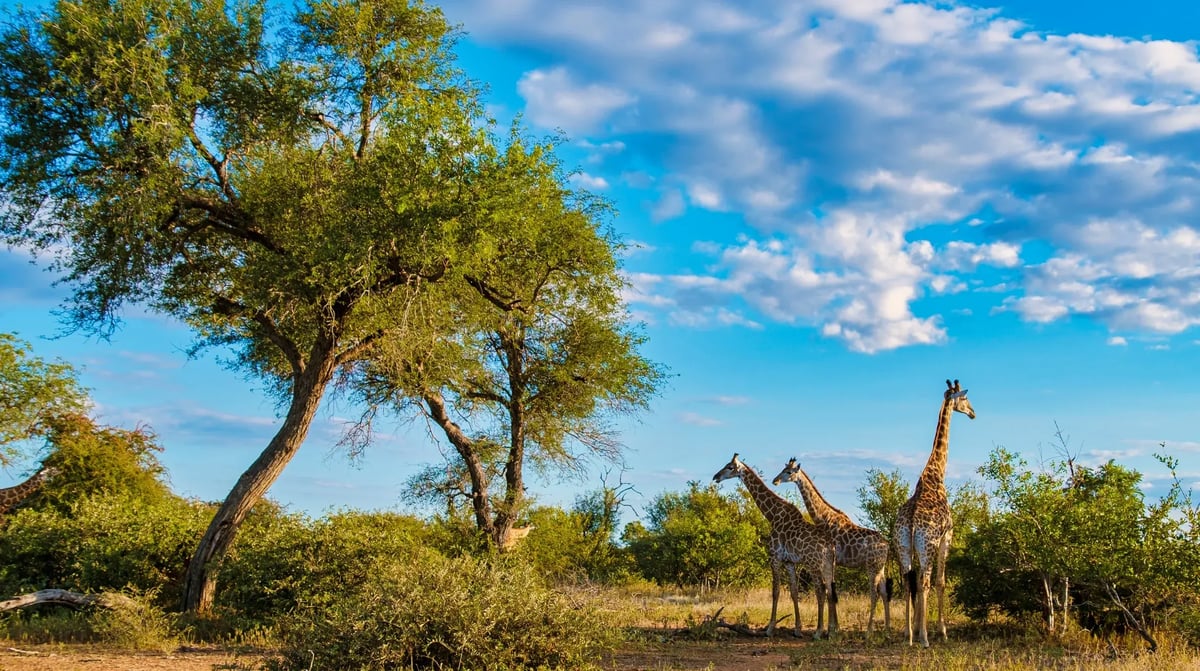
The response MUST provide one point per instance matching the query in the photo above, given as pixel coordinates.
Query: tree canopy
(288, 184)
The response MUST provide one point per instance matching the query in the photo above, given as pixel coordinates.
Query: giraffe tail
(888, 588)
(911, 578)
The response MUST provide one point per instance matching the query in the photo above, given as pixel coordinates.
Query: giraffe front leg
(819, 590)
(775, 568)
(794, 586)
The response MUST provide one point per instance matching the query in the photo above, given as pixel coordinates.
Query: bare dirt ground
(730, 653)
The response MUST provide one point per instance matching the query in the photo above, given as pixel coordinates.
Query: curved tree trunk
(307, 390)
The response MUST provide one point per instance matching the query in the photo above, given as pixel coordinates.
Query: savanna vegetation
(320, 194)
(1061, 562)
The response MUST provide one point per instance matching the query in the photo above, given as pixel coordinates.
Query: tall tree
(286, 191)
(541, 358)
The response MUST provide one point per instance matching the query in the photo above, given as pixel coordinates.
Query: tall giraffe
(853, 546)
(11, 496)
(793, 542)
(924, 526)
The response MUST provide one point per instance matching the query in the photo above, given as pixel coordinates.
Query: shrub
(281, 557)
(132, 621)
(103, 543)
(426, 611)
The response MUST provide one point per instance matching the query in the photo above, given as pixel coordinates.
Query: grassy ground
(666, 631)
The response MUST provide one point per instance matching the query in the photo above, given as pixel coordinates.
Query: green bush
(422, 610)
(104, 543)
(280, 558)
(132, 621)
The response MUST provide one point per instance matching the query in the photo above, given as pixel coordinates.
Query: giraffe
(11, 496)
(793, 542)
(853, 546)
(924, 526)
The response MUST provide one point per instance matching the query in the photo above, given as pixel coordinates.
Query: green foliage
(421, 610)
(536, 354)
(284, 558)
(1085, 538)
(578, 545)
(880, 499)
(33, 392)
(95, 460)
(700, 537)
(102, 543)
(132, 621)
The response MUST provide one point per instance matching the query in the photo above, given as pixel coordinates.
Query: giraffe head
(957, 397)
(733, 469)
(789, 472)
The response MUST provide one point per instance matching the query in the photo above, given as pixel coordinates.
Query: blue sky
(832, 207)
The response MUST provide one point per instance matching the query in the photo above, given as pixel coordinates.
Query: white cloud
(590, 182)
(554, 100)
(696, 419)
(838, 130)
(1118, 341)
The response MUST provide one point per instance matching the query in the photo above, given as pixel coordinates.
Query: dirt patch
(730, 653)
(78, 658)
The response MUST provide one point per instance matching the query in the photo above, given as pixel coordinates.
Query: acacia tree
(536, 358)
(285, 191)
(1083, 538)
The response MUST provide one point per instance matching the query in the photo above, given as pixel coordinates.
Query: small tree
(33, 394)
(539, 357)
(700, 537)
(1085, 537)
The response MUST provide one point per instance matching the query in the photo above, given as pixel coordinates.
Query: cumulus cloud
(874, 153)
(555, 100)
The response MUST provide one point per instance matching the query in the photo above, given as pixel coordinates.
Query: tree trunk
(307, 390)
(470, 456)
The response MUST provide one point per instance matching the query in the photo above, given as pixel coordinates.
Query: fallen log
(60, 597)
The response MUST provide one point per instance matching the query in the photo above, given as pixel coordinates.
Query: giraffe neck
(935, 468)
(772, 505)
(11, 496)
(822, 513)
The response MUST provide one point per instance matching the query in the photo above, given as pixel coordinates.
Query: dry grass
(659, 613)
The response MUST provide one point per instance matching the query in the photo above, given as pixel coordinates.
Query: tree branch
(492, 296)
(289, 349)
(228, 219)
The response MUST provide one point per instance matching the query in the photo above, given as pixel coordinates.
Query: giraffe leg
(926, 566)
(904, 551)
(775, 568)
(875, 586)
(794, 585)
(920, 574)
(940, 581)
(884, 587)
(819, 590)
